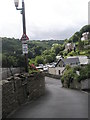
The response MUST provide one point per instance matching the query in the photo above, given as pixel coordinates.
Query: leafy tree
(56, 48)
(80, 45)
(32, 61)
(30, 55)
(9, 61)
(21, 61)
(39, 60)
(46, 52)
(53, 55)
(4, 61)
(48, 59)
(84, 72)
(69, 76)
(37, 50)
(86, 28)
(74, 38)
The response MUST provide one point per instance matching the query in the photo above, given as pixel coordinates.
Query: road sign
(25, 48)
(24, 37)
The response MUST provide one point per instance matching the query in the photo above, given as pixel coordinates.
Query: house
(84, 60)
(85, 36)
(56, 70)
(58, 57)
(60, 66)
(69, 47)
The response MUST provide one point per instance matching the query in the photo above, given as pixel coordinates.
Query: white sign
(25, 48)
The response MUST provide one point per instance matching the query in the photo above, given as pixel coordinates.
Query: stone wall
(83, 85)
(7, 72)
(21, 89)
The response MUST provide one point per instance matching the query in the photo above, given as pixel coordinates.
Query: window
(63, 65)
(59, 72)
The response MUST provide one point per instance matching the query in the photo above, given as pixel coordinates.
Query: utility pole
(24, 37)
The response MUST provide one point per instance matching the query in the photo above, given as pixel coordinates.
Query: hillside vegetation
(42, 52)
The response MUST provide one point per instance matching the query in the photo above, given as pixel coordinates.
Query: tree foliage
(39, 60)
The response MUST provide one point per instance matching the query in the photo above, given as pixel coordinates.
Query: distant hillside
(42, 52)
(12, 49)
(78, 34)
(12, 45)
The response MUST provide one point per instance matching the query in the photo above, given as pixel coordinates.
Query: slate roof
(82, 60)
(70, 61)
(59, 61)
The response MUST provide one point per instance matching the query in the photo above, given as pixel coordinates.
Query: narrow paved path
(58, 102)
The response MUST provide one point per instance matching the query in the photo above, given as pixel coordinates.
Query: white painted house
(69, 46)
(84, 60)
(85, 36)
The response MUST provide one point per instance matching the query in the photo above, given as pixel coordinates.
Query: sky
(45, 19)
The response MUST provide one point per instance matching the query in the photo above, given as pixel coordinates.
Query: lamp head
(16, 2)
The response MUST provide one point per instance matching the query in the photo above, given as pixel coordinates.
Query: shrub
(69, 76)
(65, 53)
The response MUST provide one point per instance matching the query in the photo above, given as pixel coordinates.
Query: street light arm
(18, 8)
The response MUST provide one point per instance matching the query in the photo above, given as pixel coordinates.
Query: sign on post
(25, 48)
(24, 37)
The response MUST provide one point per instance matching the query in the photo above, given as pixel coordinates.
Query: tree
(4, 61)
(86, 28)
(30, 54)
(80, 45)
(48, 59)
(21, 61)
(56, 48)
(69, 76)
(37, 50)
(74, 38)
(39, 60)
(53, 55)
(9, 61)
(46, 52)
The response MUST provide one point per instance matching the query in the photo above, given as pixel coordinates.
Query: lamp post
(24, 37)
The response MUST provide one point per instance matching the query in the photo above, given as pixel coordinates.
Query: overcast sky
(45, 19)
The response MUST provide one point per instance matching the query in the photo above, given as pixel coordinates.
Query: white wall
(52, 71)
(55, 71)
(61, 70)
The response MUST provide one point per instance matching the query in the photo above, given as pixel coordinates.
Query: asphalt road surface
(57, 102)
